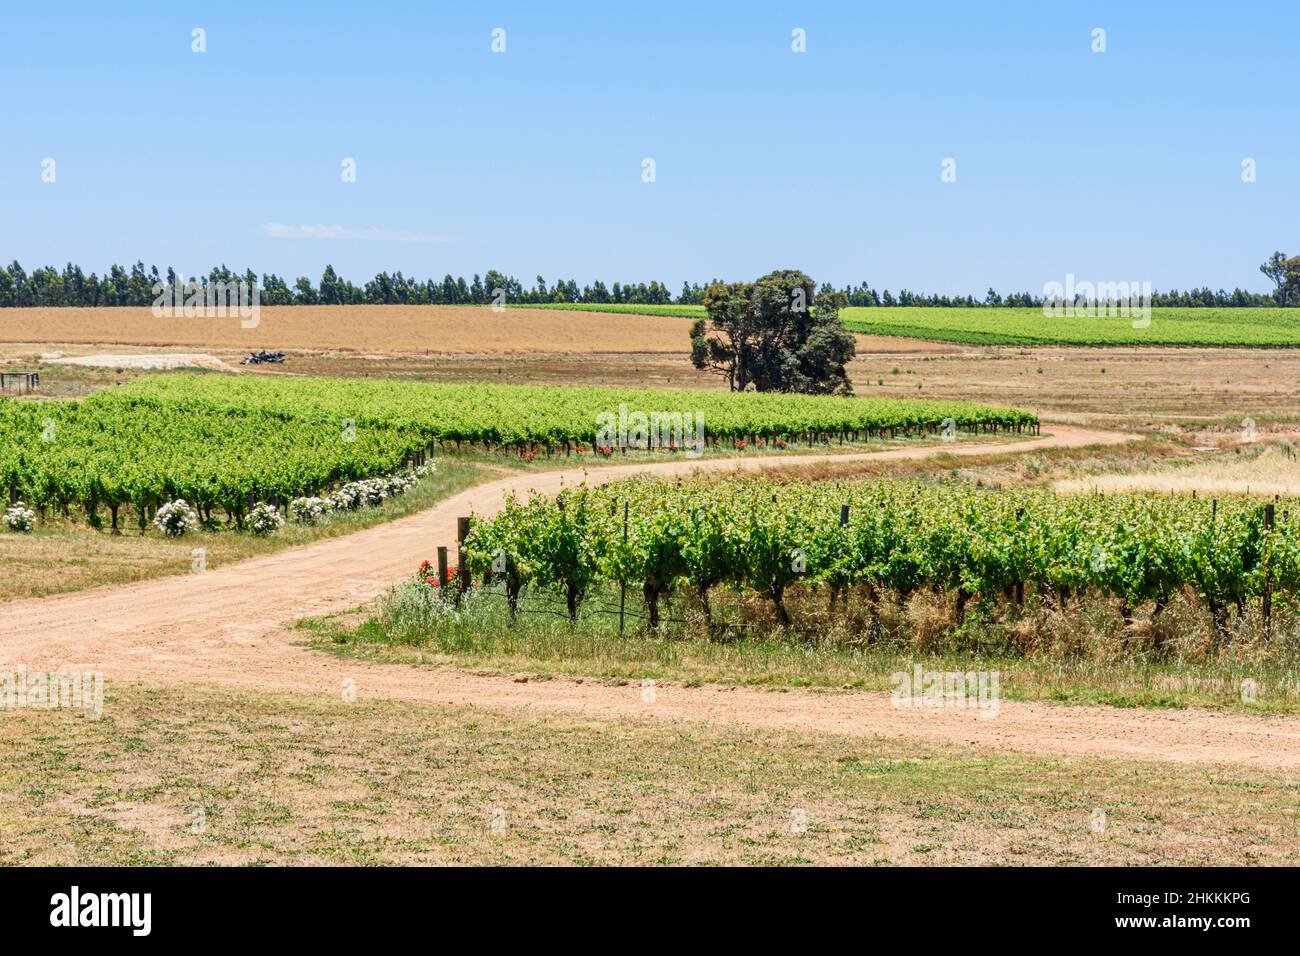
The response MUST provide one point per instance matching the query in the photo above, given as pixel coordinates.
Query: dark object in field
(257, 358)
(22, 382)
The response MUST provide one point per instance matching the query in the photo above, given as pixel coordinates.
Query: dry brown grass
(995, 469)
(1102, 386)
(1271, 471)
(312, 780)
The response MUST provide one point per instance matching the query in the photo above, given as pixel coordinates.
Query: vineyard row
(225, 443)
(753, 535)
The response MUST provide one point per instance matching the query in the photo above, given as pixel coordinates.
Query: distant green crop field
(997, 326)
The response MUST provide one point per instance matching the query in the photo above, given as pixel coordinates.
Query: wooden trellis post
(1266, 603)
(462, 564)
(622, 585)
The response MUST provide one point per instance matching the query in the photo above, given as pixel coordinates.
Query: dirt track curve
(225, 627)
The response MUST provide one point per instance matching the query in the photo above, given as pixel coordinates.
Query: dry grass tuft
(1254, 470)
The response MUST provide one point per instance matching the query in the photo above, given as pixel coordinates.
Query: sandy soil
(151, 361)
(225, 627)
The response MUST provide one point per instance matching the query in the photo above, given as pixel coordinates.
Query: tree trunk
(1219, 617)
(778, 600)
(651, 595)
(512, 596)
(572, 599)
(873, 611)
(704, 603)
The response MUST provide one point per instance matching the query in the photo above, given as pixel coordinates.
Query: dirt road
(225, 627)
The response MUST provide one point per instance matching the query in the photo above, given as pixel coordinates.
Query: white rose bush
(20, 518)
(176, 518)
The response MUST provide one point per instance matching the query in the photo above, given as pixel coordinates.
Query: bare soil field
(386, 329)
(397, 329)
(1148, 387)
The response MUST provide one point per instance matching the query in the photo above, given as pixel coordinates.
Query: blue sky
(1124, 165)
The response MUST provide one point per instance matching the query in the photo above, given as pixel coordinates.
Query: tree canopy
(776, 334)
(1285, 274)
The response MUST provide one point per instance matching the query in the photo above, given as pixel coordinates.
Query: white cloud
(278, 230)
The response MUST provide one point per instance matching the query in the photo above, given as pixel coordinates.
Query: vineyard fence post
(1266, 608)
(622, 583)
(462, 564)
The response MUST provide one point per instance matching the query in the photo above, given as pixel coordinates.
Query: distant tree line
(134, 286)
(1204, 297)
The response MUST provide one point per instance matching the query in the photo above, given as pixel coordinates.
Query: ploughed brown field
(387, 329)
(363, 328)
